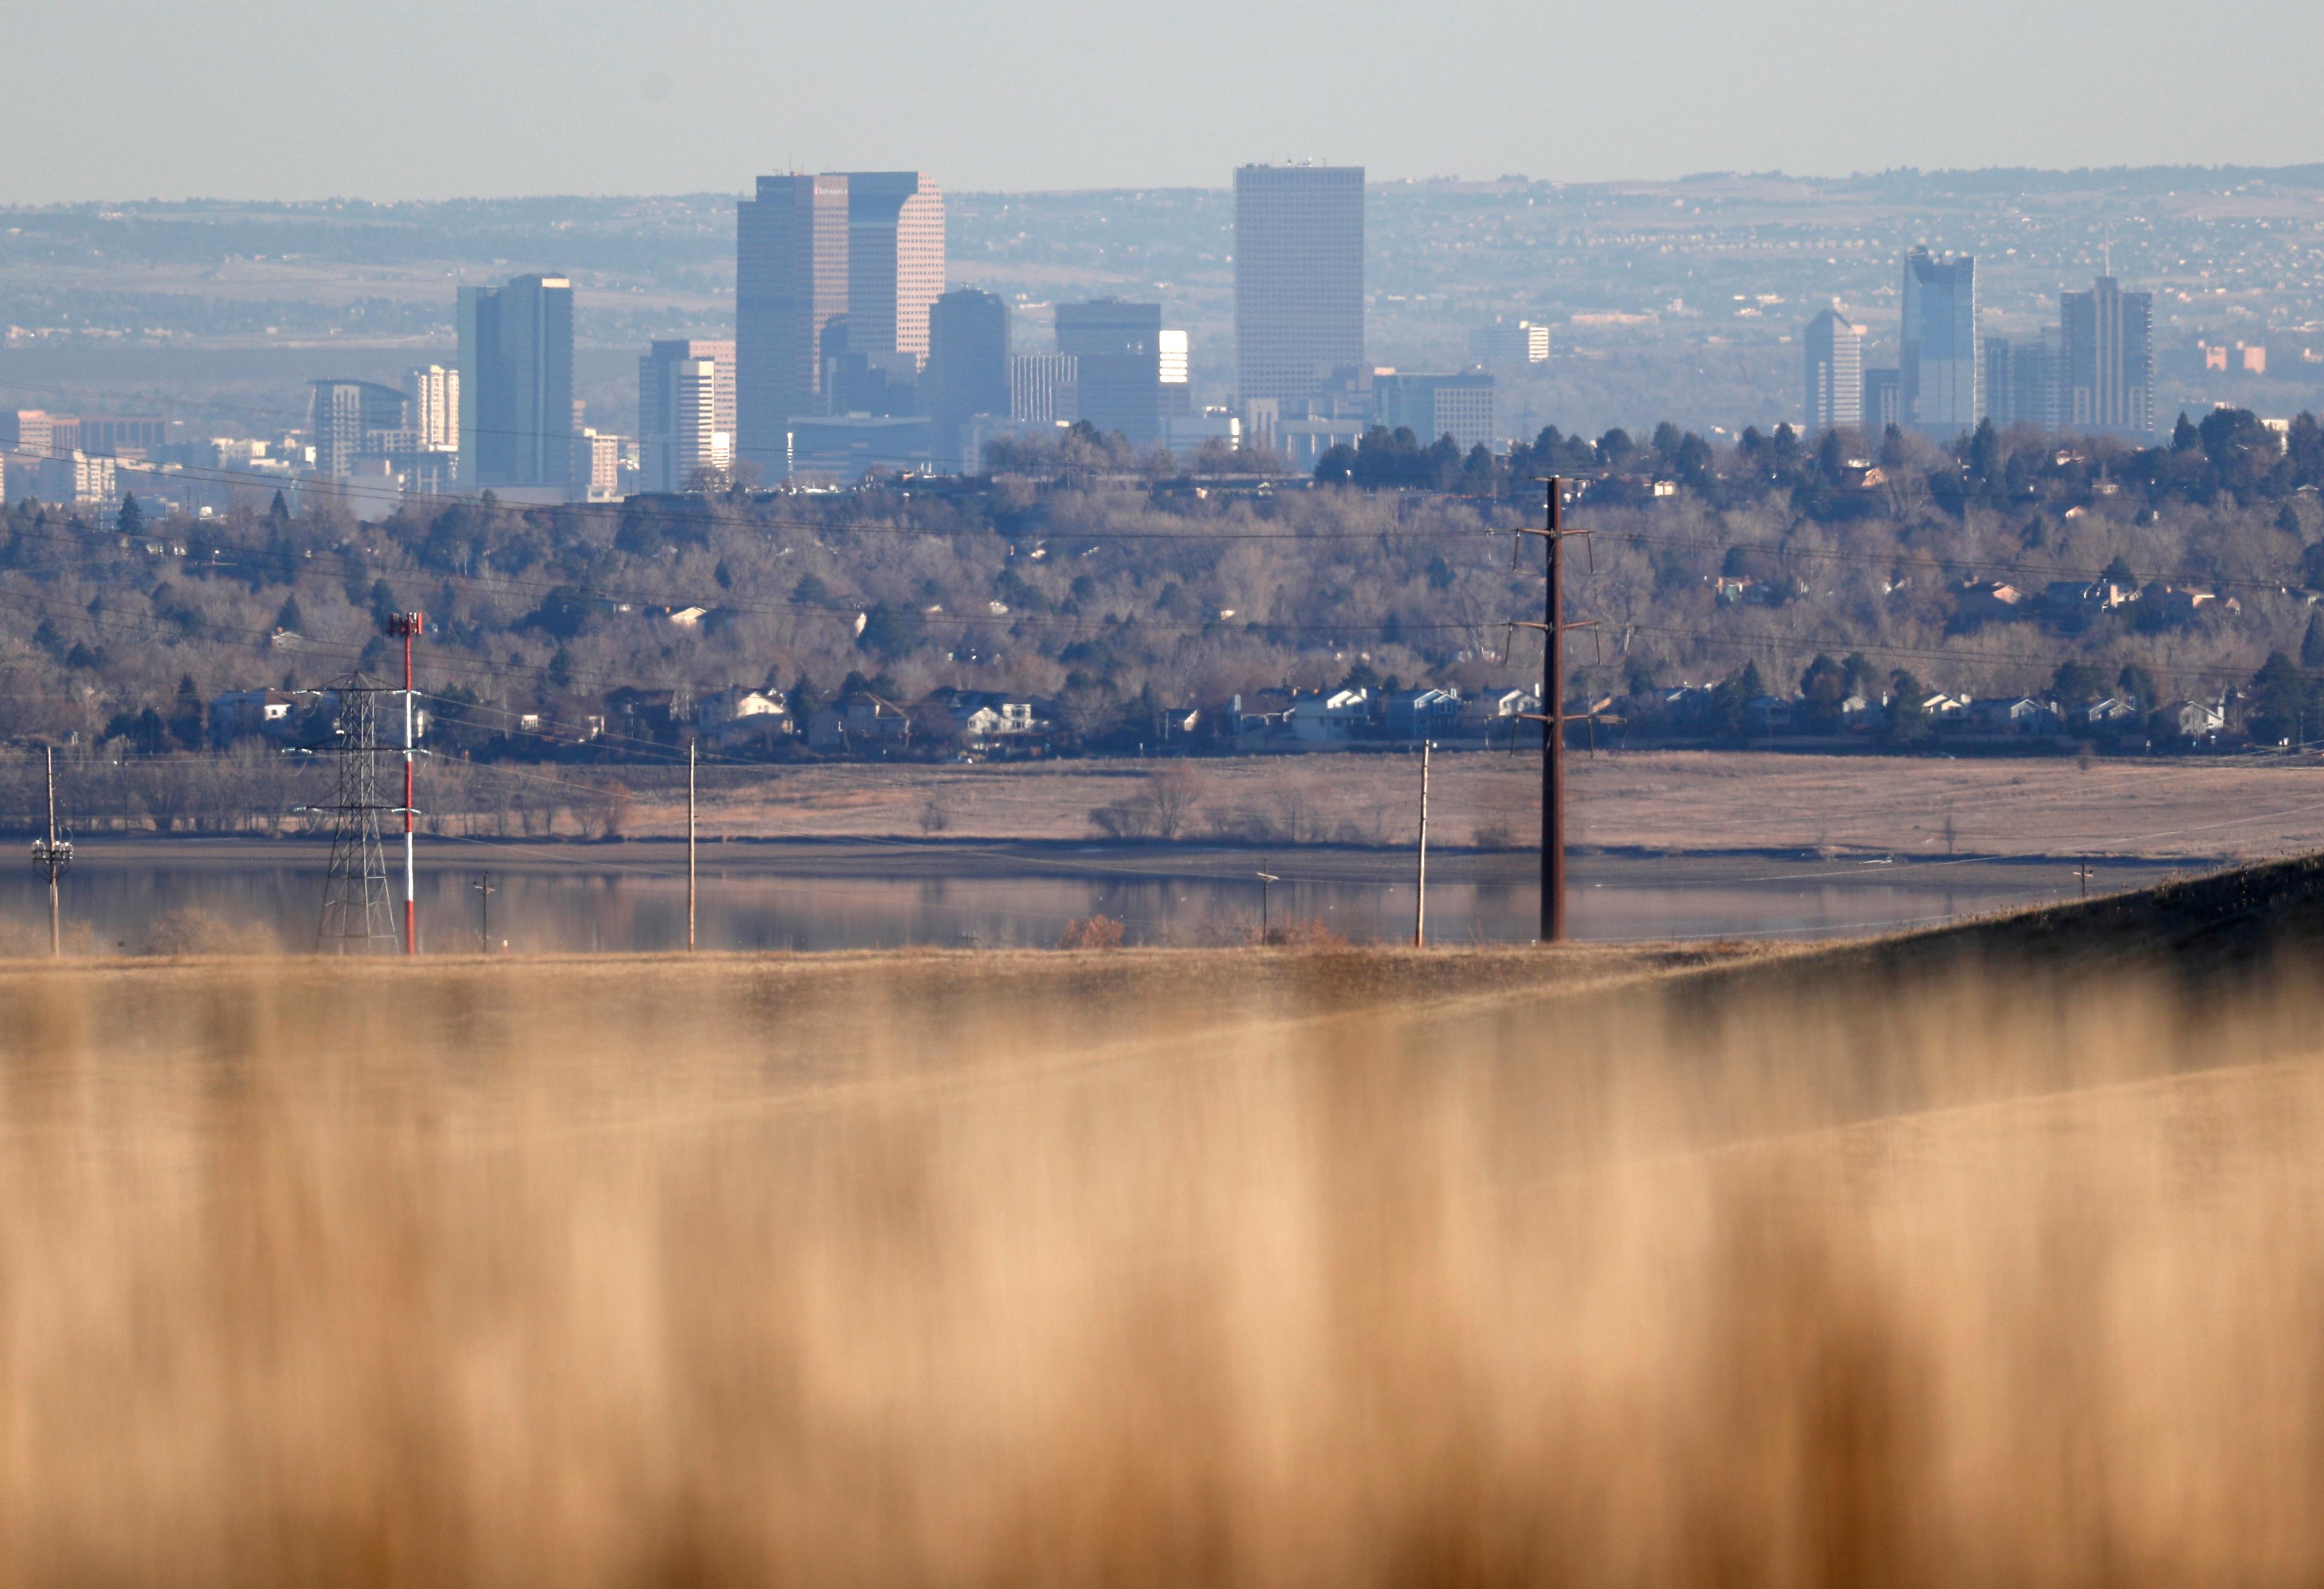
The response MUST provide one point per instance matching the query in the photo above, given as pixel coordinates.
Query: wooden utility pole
(1420, 905)
(1552, 730)
(690, 845)
(53, 856)
(483, 883)
(1552, 715)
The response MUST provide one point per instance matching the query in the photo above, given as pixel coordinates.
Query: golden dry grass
(1686, 800)
(1952, 1262)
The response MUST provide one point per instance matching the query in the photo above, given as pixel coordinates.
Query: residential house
(859, 724)
(1496, 705)
(1331, 717)
(2195, 719)
(2076, 601)
(1688, 706)
(1768, 714)
(736, 716)
(238, 713)
(2016, 715)
(1985, 600)
(1423, 714)
(2108, 716)
(1941, 707)
(1499, 715)
(641, 714)
(2180, 603)
(987, 717)
(1262, 714)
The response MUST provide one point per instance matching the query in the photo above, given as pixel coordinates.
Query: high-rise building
(1116, 350)
(120, 434)
(435, 405)
(1299, 278)
(686, 414)
(791, 282)
(895, 262)
(516, 384)
(1510, 342)
(596, 467)
(2107, 359)
(1940, 366)
(1177, 372)
(1044, 389)
(1433, 406)
(2021, 380)
(345, 418)
(38, 432)
(968, 363)
(1884, 402)
(1835, 371)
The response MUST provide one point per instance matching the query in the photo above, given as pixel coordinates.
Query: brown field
(1692, 801)
(1987, 1256)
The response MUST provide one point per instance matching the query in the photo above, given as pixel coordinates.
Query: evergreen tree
(2311, 644)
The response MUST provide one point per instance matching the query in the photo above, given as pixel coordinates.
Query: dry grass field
(1990, 1256)
(2165, 809)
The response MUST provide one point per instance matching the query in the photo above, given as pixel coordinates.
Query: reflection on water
(587, 905)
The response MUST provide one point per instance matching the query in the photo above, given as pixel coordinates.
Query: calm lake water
(584, 903)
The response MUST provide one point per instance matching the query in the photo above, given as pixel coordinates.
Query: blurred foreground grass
(1893, 1265)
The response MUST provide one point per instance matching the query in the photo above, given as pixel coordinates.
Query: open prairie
(2162, 809)
(1990, 1255)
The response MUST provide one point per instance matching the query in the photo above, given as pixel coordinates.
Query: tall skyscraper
(435, 405)
(686, 412)
(1044, 388)
(1884, 402)
(895, 262)
(2107, 359)
(516, 383)
(968, 363)
(1117, 349)
(1942, 352)
(791, 282)
(344, 418)
(1299, 278)
(1835, 370)
(1177, 366)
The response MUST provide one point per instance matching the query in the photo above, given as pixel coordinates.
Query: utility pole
(1420, 906)
(408, 626)
(690, 845)
(53, 856)
(1552, 717)
(1266, 879)
(482, 884)
(1552, 732)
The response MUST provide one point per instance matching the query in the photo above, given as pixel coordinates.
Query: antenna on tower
(358, 913)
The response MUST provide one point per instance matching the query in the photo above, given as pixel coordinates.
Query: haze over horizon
(458, 102)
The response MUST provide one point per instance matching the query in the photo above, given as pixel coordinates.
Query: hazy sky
(139, 99)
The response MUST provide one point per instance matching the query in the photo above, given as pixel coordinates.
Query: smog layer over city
(1100, 796)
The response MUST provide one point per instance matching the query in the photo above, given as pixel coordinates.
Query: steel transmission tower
(358, 913)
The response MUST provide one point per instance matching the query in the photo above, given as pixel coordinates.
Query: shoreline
(1156, 861)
